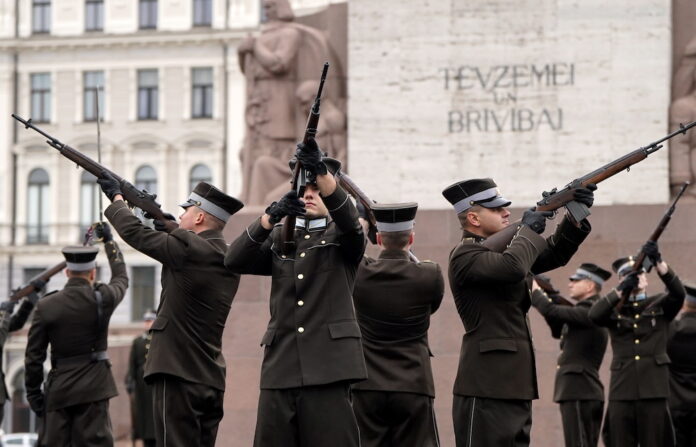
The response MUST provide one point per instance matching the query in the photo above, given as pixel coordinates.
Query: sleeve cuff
(336, 200)
(572, 233)
(256, 232)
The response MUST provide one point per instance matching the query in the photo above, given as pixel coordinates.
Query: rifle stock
(299, 176)
(25, 290)
(553, 200)
(639, 260)
(135, 197)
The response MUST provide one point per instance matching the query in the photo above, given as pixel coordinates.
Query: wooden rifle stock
(639, 260)
(135, 197)
(299, 176)
(25, 290)
(554, 199)
(544, 284)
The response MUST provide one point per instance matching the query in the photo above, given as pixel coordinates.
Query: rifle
(639, 260)
(555, 199)
(299, 175)
(132, 195)
(544, 283)
(47, 274)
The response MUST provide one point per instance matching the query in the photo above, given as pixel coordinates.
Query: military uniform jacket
(312, 337)
(582, 348)
(67, 320)
(492, 294)
(141, 400)
(197, 293)
(638, 333)
(681, 348)
(10, 323)
(394, 298)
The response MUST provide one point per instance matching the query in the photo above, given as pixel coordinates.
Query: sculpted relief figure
(682, 151)
(275, 63)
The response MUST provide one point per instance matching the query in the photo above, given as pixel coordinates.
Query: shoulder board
(51, 293)
(427, 261)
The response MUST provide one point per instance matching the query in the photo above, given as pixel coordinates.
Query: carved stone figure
(275, 63)
(682, 150)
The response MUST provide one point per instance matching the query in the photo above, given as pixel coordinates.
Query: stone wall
(532, 93)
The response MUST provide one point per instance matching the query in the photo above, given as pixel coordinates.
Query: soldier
(496, 379)
(681, 348)
(10, 322)
(578, 390)
(312, 344)
(75, 322)
(185, 365)
(142, 410)
(637, 413)
(394, 298)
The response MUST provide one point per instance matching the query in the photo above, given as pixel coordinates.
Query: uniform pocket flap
(344, 329)
(498, 344)
(564, 369)
(662, 359)
(159, 324)
(267, 339)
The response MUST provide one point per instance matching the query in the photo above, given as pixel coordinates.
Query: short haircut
(395, 240)
(462, 216)
(213, 222)
(79, 273)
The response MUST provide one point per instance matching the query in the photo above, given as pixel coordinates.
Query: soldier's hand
(629, 283)
(585, 195)
(159, 224)
(103, 232)
(652, 251)
(536, 220)
(36, 402)
(109, 185)
(288, 205)
(310, 157)
(39, 285)
(7, 306)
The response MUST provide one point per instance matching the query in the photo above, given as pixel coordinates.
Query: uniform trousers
(582, 421)
(395, 419)
(685, 427)
(186, 414)
(484, 422)
(84, 425)
(310, 416)
(643, 422)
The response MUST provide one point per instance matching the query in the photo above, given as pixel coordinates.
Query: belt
(95, 356)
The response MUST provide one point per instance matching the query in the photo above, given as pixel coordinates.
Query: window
(142, 285)
(41, 16)
(202, 12)
(22, 419)
(262, 13)
(145, 179)
(202, 93)
(93, 85)
(37, 207)
(147, 94)
(148, 14)
(41, 97)
(89, 202)
(94, 15)
(200, 173)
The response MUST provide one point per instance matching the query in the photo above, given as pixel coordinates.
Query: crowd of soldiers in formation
(346, 357)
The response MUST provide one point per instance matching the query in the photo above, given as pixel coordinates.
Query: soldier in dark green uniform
(394, 297)
(10, 322)
(142, 409)
(312, 345)
(185, 365)
(75, 323)
(681, 348)
(578, 390)
(637, 413)
(496, 379)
